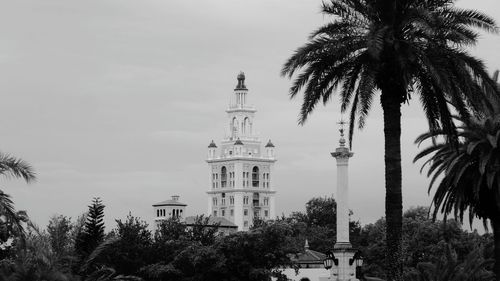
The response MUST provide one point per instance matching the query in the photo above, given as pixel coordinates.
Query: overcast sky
(120, 98)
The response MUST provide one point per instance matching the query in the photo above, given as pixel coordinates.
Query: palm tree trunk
(393, 194)
(495, 222)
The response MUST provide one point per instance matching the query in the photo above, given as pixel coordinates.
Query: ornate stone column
(344, 269)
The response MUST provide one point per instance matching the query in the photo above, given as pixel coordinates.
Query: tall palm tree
(470, 171)
(12, 167)
(398, 48)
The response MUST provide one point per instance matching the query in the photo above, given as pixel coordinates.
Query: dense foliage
(466, 177)
(424, 242)
(132, 251)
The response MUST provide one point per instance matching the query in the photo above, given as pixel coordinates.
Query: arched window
(223, 176)
(255, 176)
(246, 126)
(234, 128)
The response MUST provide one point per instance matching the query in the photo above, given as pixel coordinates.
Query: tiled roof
(213, 221)
(169, 203)
(310, 256)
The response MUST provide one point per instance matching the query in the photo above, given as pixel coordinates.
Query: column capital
(342, 153)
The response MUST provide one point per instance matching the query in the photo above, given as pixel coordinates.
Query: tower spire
(241, 81)
(341, 130)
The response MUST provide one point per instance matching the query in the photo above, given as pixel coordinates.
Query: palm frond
(17, 168)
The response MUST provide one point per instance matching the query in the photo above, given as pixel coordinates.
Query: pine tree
(92, 233)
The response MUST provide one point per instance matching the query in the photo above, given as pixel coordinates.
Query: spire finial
(241, 81)
(341, 130)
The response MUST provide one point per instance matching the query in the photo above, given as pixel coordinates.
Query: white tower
(169, 209)
(240, 172)
(345, 267)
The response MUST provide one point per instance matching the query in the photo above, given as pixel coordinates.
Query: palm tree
(470, 171)
(12, 167)
(400, 48)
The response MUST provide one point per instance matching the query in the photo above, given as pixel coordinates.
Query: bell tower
(240, 113)
(241, 170)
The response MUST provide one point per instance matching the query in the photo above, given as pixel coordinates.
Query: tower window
(223, 212)
(215, 213)
(247, 126)
(255, 199)
(232, 212)
(255, 176)
(223, 177)
(245, 212)
(266, 213)
(245, 223)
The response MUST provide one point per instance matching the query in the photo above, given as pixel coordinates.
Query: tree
(92, 233)
(59, 230)
(256, 254)
(12, 224)
(401, 48)
(131, 247)
(470, 171)
(61, 244)
(321, 211)
(449, 268)
(34, 261)
(318, 225)
(424, 241)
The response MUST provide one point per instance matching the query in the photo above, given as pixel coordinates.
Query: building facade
(172, 208)
(241, 169)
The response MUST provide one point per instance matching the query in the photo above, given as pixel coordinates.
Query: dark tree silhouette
(92, 233)
(471, 171)
(12, 225)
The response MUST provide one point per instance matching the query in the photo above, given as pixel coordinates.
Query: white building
(241, 170)
(169, 209)
(310, 266)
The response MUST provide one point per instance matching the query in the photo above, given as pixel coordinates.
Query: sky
(118, 99)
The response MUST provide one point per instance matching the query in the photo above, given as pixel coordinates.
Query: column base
(342, 246)
(345, 270)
